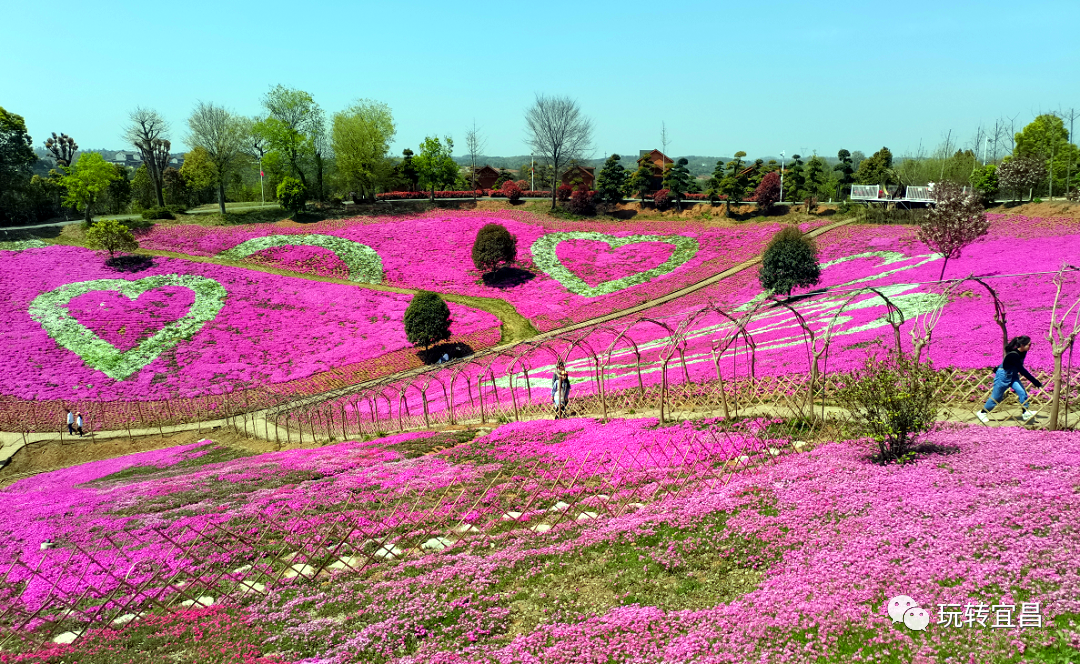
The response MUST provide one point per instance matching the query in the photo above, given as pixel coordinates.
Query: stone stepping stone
(437, 544)
(299, 569)
(511, 516)
(353, 562)
(541, 528)
(584, 516)
(799, 444)
(559, 507)
(389, 552)
(124, 619)
(66, 638)
(465, 528)
(636, 506)
(252, 587)
(203, 601)
(241, 570)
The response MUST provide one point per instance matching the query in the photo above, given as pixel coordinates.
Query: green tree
(494, 246)
(221, 134)
(16, 161)
(734, 182)
(427, 320)
(845, 171)
(1046, 137)
(142, 188)
(795, 180)
(434, 165)
(118, 193)
(198, 170)
(289, 128)
(817, 178)
(641, 181)
(361, 139)
(985, 182)
(176, 189)
(112, 236)
(877, 169)
(790, 260)
(612, 181)
(678, 181)
(86, 180)
(292, 195)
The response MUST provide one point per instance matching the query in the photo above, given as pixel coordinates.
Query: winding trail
(515, 329)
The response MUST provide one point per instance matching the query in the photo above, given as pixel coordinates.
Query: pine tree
(678, 182)
(612, 181)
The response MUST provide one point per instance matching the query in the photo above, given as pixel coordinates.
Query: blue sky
(761, 77)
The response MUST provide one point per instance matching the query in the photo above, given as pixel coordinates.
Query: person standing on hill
(70, 423)
(560, 389)
(78, 422)
(1007, 377)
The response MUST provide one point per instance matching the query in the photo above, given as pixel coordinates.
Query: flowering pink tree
(954, 221)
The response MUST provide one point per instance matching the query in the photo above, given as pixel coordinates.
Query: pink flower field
(185, 330)
(793, 561)
(433, 252)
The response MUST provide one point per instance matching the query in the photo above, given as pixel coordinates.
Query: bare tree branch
(558, 132)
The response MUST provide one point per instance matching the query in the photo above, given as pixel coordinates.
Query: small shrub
(790, 260)
(581, 201)
(112, 236)
(177, 208)
(767, 193)
(427, 320)
(564, 192)
(157, 213)
(893, 400)
(1036, 200)
(845, 206)
(522, 185)
(494, 245)
(662, 199)
(291, 195)
(511, 191)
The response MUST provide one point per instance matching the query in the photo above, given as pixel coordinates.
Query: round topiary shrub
(563, 192)
(511, 191)
(427, 320)
(291, 195)
(662, 199)
(494, 245)
(790, 260)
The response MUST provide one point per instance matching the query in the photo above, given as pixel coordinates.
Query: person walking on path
(70, 423)
(560, 389)
(1007, 377)
(78, 422)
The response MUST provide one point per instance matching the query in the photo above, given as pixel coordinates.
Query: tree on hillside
(641, 181)
(198, 172)
(1021, 174)
(361, 138)
(678, 181)
(558, 132)
(845, 171)
(62, 148)
(112, 236)
(816, 178)
(767, 193)
(795, 180)
(434, 165)
(790, 260)
(494, 246)
(178, 193)
(292, 195)
(406, 170)
(147, 132)
(954, 221)
(117, 195)
(221, 135)
(877, 169)
(1047, 137)
(475, 144)
(984, 180)
(427, 320)
(612, 181)
(143, 193)
(16, 160)
(289, 128)
(86, 180)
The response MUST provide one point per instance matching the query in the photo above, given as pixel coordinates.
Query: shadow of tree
(508, 277)
(130, 263)
(452, 350)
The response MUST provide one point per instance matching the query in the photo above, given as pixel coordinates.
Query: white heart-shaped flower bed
(364, 263)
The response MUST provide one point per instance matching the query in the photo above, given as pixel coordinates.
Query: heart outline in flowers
(364, 263)
(50, 310)
(545, 258)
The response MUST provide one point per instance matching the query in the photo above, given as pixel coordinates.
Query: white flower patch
(50, 310)
(20, 245)
(545, 258)
(364, 263)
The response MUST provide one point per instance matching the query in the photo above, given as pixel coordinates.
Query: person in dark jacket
(1007, 377)
(560, 389)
